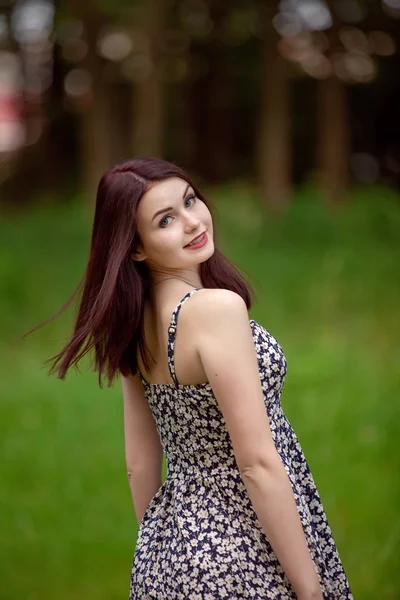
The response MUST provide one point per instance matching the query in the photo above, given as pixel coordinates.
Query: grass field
(328, 286)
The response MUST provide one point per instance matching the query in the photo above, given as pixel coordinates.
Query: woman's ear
(138, 254)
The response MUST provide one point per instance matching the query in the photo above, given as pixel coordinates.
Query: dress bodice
(200, 537)
(190, 423)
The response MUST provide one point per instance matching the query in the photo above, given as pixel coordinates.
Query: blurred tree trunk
(333, 139)
(219, 99)
(210, 98)
(95, 120)
(273, 143)
(95, 159)
(333, 145)
(148, 92)
(119, 117)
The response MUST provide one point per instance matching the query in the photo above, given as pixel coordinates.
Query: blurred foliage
(106, 80)
(328, 289)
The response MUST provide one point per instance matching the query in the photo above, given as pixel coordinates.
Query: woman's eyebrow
(162, 210)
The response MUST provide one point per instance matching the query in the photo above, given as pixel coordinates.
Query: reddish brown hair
(114, 287)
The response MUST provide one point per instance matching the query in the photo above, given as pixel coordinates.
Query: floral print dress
(200, 538)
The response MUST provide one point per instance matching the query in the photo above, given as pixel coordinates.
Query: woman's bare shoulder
(210, 305)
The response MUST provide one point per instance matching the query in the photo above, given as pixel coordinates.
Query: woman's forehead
(164, 189)
(162, 194)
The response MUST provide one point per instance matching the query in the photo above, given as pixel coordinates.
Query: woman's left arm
(143, 450)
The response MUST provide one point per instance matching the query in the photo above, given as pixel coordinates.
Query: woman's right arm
(222, 334)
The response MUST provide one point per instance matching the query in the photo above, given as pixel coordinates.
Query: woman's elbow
(266, 463)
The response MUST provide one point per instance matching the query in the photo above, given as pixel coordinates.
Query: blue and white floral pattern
(200, 538)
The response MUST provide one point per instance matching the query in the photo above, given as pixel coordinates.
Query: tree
(273, 156)
(149, 89)
(95, 118)
(333, 145)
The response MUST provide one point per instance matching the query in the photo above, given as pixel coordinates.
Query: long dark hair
(114, 287)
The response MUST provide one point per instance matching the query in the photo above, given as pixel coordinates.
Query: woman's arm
(222, 334)
(143, 450)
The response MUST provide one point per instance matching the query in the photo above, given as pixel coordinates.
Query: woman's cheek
(168, 244)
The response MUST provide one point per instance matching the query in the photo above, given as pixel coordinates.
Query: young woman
(239, 515)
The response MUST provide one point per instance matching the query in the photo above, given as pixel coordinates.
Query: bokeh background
(287, 115)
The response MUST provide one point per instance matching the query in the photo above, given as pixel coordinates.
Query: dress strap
(172, 334)
(142, 379)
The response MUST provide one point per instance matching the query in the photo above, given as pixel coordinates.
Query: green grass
(328, 288)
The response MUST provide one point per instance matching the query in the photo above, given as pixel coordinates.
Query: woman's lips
(202, 240)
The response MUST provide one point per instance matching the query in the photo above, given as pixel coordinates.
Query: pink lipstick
(202, 241)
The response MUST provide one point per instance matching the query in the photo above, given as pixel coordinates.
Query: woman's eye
(191, 198)
(163, 222)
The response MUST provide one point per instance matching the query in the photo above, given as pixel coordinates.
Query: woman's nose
(191, 222)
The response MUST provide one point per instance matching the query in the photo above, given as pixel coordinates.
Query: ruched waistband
(203, 463)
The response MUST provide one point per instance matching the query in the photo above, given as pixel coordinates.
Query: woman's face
(170, 216)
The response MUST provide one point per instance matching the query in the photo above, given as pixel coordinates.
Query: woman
(239, 515)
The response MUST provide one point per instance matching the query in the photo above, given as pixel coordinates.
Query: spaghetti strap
(142, 379)
(172, 334)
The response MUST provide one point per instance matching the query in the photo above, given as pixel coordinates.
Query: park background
(287, 116)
